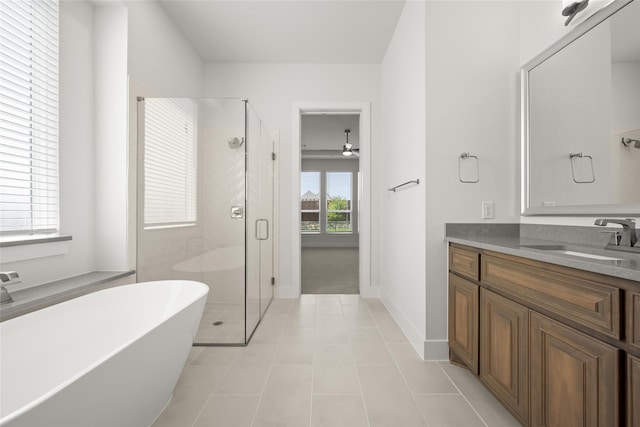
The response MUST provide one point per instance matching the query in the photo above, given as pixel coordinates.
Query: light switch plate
(487, 210)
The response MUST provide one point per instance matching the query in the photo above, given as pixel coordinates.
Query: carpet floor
(330, 271)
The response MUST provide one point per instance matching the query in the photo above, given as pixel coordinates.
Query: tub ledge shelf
(38, 297)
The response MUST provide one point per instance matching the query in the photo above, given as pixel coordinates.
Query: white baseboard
(369, 291)
(410, 331)
(286, 292)
(436, 350)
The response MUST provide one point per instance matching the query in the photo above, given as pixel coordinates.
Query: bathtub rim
(201, 291)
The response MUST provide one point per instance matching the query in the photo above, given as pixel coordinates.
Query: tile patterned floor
(327, 360)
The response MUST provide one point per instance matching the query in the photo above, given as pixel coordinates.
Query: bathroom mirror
(581, 119)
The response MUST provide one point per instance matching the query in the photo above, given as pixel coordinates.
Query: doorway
(343, 216)
(329, 209)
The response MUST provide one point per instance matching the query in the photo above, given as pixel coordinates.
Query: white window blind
(29, 116)
(170, 162)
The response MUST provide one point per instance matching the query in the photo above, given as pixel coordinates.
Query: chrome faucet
(627, 238)
(7, 278)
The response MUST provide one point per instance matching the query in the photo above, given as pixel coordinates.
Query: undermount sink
(560, 249)
(586, 255)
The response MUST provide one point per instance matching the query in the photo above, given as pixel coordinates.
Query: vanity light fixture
(573, 9)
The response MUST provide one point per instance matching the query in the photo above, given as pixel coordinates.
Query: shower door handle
(262, 229)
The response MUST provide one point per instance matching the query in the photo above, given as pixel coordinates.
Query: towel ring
(467, 156)
(573, 157)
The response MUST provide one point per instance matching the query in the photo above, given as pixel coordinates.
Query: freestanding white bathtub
(110, 358)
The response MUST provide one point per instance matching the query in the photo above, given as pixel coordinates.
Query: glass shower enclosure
(205, 203)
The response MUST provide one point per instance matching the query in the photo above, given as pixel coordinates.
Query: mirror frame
(621, 209)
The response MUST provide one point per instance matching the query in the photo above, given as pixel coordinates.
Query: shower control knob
(237, 212)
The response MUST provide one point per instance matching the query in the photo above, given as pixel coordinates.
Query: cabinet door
(574, 378)
(463, 320)
(633, 391)
(633, 319)
(504, 351)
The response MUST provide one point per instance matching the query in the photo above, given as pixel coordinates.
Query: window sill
(169, 227)
(31, 239)
(26, 247)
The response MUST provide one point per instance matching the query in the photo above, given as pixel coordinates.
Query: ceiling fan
(347, 148)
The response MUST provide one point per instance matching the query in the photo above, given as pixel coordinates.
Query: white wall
(271, 89)
(403, 150)
(110, 136)
(160, 59)
(444, 92)
(161, 63)
(76, 153)
(472, 89)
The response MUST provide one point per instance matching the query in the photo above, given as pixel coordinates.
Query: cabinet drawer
(579, 298)
(464, 262)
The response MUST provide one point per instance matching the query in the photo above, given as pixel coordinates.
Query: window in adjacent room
(29, 194)
(326, 202)
(170, 163)
(310, 202)
(339, 202)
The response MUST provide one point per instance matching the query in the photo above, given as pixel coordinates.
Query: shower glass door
(205, 208)
(267, 203)
(260, 232)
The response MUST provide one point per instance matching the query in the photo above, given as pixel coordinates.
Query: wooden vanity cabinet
(504, 351)
(548, 341)
(463, 320)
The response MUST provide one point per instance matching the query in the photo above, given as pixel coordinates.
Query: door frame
(363, 109)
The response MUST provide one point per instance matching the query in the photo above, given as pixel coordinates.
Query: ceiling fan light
(347, 147)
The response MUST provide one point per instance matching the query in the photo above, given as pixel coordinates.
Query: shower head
(628, 141)
(235, 142)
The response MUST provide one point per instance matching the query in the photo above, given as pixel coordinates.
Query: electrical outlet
(487, 210)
